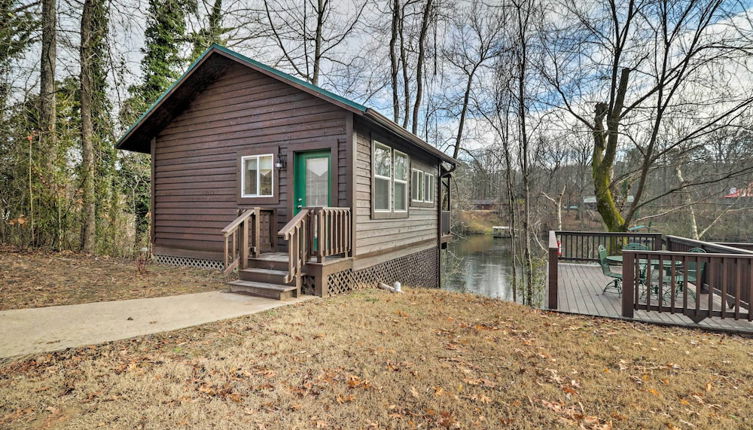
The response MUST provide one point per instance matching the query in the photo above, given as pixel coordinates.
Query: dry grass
(424, 359)
(36, 278)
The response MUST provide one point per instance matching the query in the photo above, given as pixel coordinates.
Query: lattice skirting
(188, 261)
(415, 270)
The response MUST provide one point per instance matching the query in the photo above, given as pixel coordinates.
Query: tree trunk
(686, 201)
(47, 125)
(88, 212)
(605, 151)
(404, 61)
(426, 20)
(463, 112)
(394, 63)
(510, 181)
(47, 106)
(320, 11)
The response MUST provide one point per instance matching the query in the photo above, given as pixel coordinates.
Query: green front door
(313, 180)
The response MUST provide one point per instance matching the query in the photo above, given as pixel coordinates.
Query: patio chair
(616, 281)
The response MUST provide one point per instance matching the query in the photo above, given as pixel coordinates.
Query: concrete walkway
(25, 331)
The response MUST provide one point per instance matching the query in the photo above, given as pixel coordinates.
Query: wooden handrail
(674, 282)
(286, 231)
(319, 231)
(237, 221)
(295, 232)
(583, 245)
(237, 245)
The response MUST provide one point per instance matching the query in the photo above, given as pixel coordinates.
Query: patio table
(617, 260)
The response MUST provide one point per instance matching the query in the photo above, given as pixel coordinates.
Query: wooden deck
(580, 292)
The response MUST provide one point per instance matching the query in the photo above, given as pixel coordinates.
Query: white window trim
(400, 181)
(429, 179)
(388, 178)
(419, 186)
(258, 175)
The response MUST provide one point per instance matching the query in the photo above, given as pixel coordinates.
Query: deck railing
(316, 232)
(238, 244)
(699, 285)
(714, 283)
(335, 227)
(584, 245)
(296, 232)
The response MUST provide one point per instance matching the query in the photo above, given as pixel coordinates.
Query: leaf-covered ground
(371, 359)
(36, 278)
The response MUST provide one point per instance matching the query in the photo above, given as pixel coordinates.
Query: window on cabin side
(257, 175)
(382, 177)
(422, 187)
(400, 184)
(428, 187)
(417, 193)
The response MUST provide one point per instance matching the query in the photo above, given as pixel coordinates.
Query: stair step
(263, 289)
(259, 274)
(271, 260)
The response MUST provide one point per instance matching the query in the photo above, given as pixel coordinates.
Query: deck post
(244, 244)
(553, 275)
(628, 283)
(257, 232)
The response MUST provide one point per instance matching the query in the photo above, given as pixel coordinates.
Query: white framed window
(422, 187)
(428, 188)
(382, 177)
(417, 188)
(400, 181)
(257, 175)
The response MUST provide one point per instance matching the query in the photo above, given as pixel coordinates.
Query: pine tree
(211, 33)
(165, 36)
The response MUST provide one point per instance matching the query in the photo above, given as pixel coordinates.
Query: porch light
(281, 161)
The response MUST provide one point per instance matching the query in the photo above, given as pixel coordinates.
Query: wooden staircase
(265, 277)
(314, 232)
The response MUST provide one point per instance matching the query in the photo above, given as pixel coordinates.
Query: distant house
(590, 201)
(296, 187)
(484, 204)
(736, 193)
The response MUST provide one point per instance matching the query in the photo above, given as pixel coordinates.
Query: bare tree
(474, 41)
(303, 47)
(658, 59)
(426, 19)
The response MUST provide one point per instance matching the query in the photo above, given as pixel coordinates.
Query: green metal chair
(616, 281)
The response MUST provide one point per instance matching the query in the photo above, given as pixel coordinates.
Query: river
(478, 264)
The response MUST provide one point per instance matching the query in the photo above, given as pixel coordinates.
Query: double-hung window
(417, 192)
(382, 178)
(400, 182)
(257, 175)
(422, 188)
(391, 174)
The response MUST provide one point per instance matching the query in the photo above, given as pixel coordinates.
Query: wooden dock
(580, 292)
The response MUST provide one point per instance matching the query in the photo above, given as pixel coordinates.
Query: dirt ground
(371, 359)
(37, 278)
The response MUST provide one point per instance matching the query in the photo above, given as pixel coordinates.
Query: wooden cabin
(299, 189)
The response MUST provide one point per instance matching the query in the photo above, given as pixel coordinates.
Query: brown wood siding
(196, 155)
(379, 235)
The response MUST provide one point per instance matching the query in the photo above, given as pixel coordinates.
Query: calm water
(479, 265)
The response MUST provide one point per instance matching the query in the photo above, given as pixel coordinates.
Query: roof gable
(210, 66)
